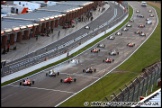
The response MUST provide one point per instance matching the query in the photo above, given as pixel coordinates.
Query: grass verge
(147, 54)
(74, 54)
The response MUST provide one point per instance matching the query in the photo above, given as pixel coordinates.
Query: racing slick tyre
(33, 82)
(83, 70)
(58, 73)
(94, 70)
(46, 74)
(20, 83)
(61, 80)
(74, 79)
(118, 53)
(23, 80)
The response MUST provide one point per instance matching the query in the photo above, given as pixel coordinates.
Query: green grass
(148, 54)
(74, 54)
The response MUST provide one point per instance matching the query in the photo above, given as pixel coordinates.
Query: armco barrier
(32, 68)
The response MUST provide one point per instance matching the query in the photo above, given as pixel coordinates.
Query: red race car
(95, 50)
(27, 82)
(131, 44)
(108, 60)
(68, 80)
(141, 26)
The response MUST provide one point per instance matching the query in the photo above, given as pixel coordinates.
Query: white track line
(43, 89)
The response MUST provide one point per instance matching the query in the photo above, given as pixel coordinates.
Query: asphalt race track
(49, 91)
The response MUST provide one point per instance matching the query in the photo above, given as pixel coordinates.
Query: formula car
(89, 70)
(52, 73)
(27, 82)
(111, 38)
(118, 33)
(150, 11)
(151, 15)
(131, 44)
(128, 25)
(108, 60)
(125, 29)
(68, 80)
(140, 16)
(149, 22)
(113, 52)
(138, 32)
(131, 20)
(142, 34)
(137, 11)
(101, 45)
(95, 50)
(141, 26)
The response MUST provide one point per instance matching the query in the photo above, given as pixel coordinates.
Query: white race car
(118, 33)
(111, 38)
(52, 73)
(114, 52)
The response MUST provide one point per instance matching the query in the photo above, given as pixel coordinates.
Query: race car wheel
(58, 73)
(74, 79)
(46, 74)
(94, 70)
(23, 80)
(20, 83)
(83, 70)
(33, 82)
(117, 52)
(61, 80)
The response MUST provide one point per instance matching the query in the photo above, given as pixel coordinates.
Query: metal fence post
(133, 90)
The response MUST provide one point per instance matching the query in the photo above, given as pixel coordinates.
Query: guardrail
(67, 47)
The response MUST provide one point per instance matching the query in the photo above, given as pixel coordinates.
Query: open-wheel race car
(118, 33)
(89, 70)
(101, 45)
(52, 73)
(113, 52)
(111, 37)
(131, 44)
(138, 32)
(125, 29)
(27, 82)
(141, 26)
(95, 50)
(128, 25)
(151, 15)
(142, 34)
(108, 60)
(69, 79)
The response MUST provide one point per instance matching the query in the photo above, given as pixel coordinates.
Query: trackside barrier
(42, 64)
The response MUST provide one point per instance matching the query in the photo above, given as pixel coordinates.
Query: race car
(27, 82)
(52, 73)
(150, 11)
(141, 26)
(131, 44)
(151, 15)
(140, 16)
(137, 11)
(111, 38)
(125, 29)
(95, 50)
(69, 79)
(118, 33)
(131, 20)
(101, 45)
(108, 60)
(138, 32)
(89, 70)
(128, 25)
(114, 52)
(142, 34)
